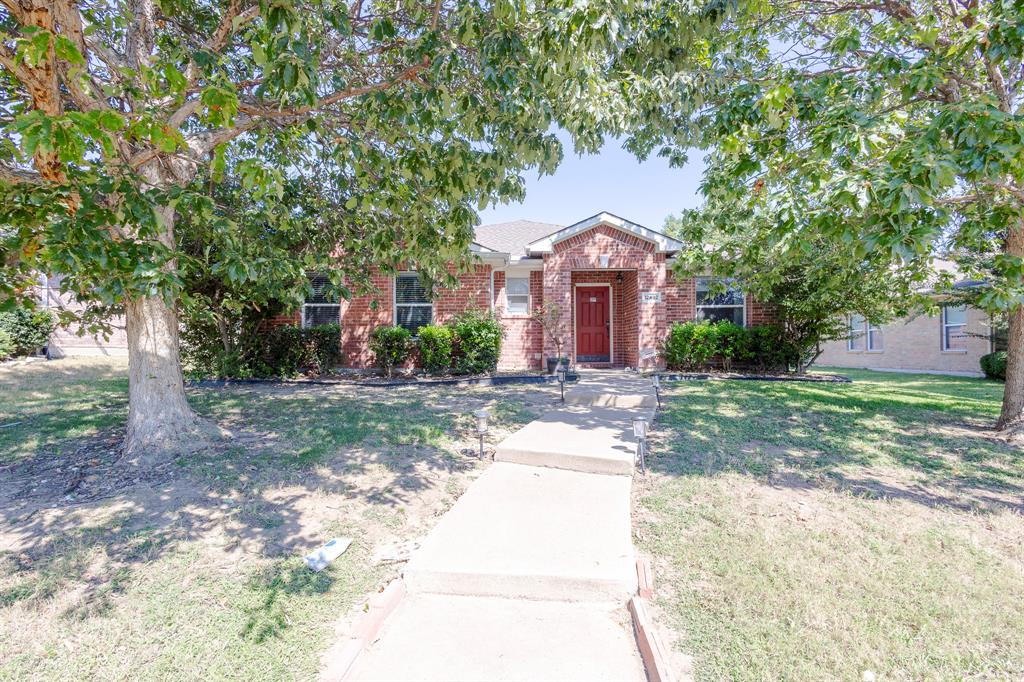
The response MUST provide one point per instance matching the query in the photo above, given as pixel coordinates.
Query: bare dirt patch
(204, 554)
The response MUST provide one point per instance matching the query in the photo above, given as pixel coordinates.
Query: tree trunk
(160, 421)
(1012, 414)
(161, 424)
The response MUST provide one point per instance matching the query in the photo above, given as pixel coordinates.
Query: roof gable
(662, 242)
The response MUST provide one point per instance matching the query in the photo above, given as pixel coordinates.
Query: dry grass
(193, 571)
(821, 531)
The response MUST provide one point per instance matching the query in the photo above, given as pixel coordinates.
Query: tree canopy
(409, 115)
(894, 127)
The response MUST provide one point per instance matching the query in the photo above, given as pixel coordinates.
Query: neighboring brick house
(950, 342)
(610, 277)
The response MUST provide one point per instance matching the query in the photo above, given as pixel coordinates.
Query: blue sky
(612, 181)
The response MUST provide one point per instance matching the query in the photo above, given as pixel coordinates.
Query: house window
(954, 326)
(715, 306)
(855, 339)
(413, 308)
(863, 335)
(320, 308)
(875, 339)
(517, 295)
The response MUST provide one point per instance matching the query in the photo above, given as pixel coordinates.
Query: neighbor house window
(320, 308)
(875, 339)
(517, 295)
(863, 335)
(855, 338)
(716, 305)
(413, 308)
(954, 326)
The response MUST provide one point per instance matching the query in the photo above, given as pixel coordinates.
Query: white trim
(529, 295)
(394, 299)
(611, 320)
(697, 306)
(547, 244)
(944, 325)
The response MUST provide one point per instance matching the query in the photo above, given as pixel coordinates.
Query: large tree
(415, 113)
(893, 126)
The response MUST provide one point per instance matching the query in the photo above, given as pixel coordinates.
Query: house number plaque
(650, 296)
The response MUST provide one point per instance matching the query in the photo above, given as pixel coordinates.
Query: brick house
(610, 278)
(950, 341)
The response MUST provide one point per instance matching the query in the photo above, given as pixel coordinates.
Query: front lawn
(825, 531)
(193, 570)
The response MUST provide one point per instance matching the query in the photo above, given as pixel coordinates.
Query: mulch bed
(374, 380)
(739, 376)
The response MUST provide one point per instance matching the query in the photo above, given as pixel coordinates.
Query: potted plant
(549, 317)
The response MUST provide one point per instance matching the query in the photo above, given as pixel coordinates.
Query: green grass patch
(818, 531)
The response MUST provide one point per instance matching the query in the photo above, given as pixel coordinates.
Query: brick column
(653, 316)
(558, 288)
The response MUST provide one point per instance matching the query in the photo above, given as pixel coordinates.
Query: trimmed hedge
(391, 346)
(470, 343)
(477, 342)
(268, 353)
(6, 345)
(695, 345)
(994, 365)
(435, 344)
(25, 331)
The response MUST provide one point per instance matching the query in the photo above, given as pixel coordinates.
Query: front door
(593, 325)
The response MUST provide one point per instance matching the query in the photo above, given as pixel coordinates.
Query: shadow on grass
(923, 439)
(255, 492)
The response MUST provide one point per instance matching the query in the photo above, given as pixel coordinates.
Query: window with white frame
(855, 338)
(716, 304)
(413, 308)
(863, 335)
(876, 341)
(319, 307)
(954, 327)
(517, 295)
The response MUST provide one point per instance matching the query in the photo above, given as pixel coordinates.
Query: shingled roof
(512, 237)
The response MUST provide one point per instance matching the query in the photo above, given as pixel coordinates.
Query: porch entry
(593, 323)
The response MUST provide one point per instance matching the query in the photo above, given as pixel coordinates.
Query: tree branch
(12, 175)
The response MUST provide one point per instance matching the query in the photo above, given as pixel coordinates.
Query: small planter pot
(553, 364)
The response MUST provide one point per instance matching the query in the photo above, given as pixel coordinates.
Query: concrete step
(456, 638)
(534, 533)
(597, 398)
(592, 440)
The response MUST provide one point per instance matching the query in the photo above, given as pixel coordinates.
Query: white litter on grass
(321, 558)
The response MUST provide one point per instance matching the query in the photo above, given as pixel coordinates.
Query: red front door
(593, 325)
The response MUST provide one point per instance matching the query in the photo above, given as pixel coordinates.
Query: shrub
(28, 329)
(436, 348)
(391, 346)
(689, 345)
(994, 365)
(770, 350)
(259, 352)
(477, 342)
(732, 343)
(288, 350)
(6, 345)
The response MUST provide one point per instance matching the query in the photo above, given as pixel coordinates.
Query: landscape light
(481, 428)
(640, 431)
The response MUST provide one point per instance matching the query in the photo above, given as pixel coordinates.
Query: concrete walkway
(528, 575)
